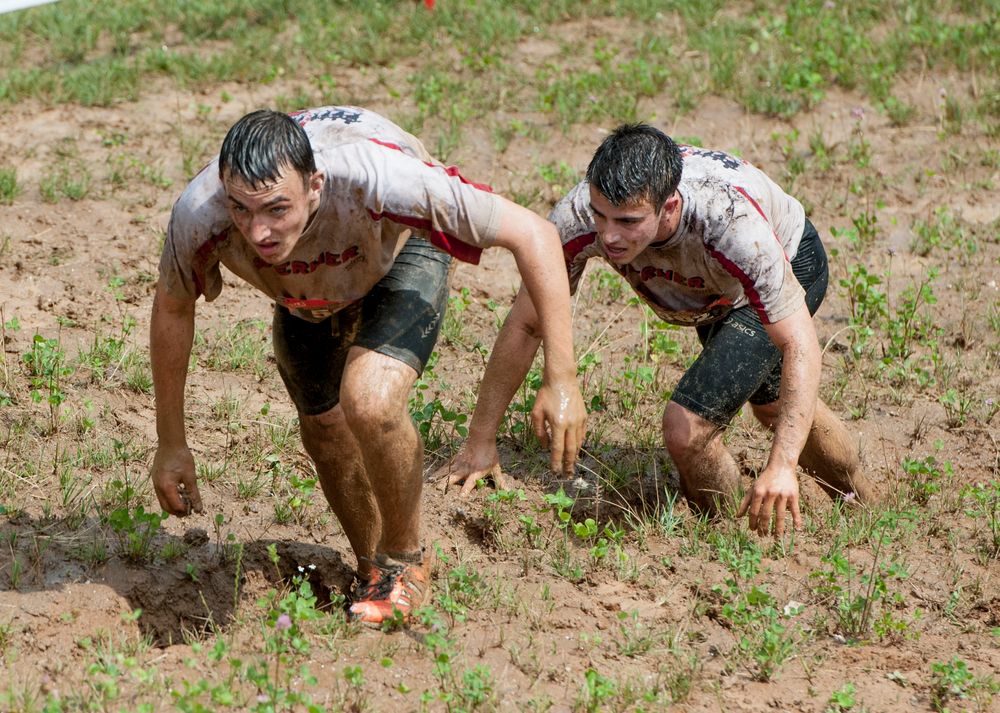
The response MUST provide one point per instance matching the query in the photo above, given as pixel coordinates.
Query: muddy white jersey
(733, 246)
(380, 187)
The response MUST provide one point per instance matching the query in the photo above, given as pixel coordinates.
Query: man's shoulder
(706, 160)
(331, 127)
(572, 215)
(201, 207)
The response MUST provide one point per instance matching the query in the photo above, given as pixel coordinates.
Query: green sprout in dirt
(856, 593)
(285, 642)
(437, 424)
(765, 635)
(926, 477)
(47, 371)
(275, 676)
(136, 531)
(9, 189)
(842, 700)
(952, 681)
(983, 505)
(469, 690)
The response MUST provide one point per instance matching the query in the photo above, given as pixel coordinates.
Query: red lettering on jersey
(298, 267)
(651, 272)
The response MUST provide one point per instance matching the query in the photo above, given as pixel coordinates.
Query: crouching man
(709, 241)
(345, 221)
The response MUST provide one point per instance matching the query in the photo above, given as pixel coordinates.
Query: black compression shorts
(400, 318)
(739, 362)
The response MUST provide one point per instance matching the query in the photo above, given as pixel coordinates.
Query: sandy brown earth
(73, 269)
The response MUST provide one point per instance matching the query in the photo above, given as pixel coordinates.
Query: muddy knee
(708, 475)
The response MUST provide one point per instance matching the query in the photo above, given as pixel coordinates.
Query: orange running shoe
(393, 587)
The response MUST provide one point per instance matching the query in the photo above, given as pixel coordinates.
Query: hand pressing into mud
(474, 462)
(559, 418)
(174, 481)
(776, 489)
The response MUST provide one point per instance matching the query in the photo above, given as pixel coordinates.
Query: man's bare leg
(374, 395)
(830, 454)
(709, 476)
(334, 450)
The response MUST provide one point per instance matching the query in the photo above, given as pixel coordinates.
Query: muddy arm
(171, 335)
(777, 487)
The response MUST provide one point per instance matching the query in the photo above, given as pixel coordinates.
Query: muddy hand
(559, 419)
(469, 466)
(174, 481)
(777, 491)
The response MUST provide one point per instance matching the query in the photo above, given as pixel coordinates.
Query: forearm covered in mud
(171, 334)
(534, 243)
(508, 365)
(800, 375)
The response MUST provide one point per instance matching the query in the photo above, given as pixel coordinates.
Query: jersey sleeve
(189, 263)
(577, 231)
(458, 216)
(745, 246)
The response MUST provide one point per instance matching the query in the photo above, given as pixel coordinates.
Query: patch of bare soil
(74, 269)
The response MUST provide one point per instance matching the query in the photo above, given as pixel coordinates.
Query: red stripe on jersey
(297, 303)
(748, 287)
(449, 243)
(756, 205)
(201, 256)
(450, 170)
(574, 246)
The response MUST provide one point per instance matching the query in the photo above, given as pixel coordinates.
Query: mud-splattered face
(627, 230)
(273, 217)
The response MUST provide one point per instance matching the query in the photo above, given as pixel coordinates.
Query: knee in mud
(685, 435)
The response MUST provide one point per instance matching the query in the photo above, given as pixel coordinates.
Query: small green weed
(68, 180)
(136, 531)
(598, 691)
(957, 407)
(953, 681)
(984, 506)
(926, 477)
(841, 700)
(9, 188)
(855, 592)
(47, 369)
(437, 424)
(453, 327)
(244, 347)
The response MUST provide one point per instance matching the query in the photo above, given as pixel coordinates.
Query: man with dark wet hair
(706, 240)
(345, 221)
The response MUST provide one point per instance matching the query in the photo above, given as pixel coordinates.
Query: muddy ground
(73, 269)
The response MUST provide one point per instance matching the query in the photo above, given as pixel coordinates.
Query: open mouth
(614, 253)
(267, 250)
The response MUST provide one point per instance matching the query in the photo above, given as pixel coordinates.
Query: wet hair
(635, 163)
(263, 143)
